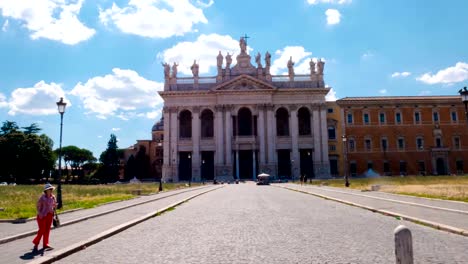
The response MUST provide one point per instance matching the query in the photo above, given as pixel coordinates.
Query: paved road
(449, 213)
(19, 251)
(246, 223)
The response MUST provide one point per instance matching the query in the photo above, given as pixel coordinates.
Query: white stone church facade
(244, 121)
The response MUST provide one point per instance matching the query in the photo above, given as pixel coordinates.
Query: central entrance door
(185, 166)
(245, 164)
(284, 164)
(441, 167)
(307, 163)
(207, 165)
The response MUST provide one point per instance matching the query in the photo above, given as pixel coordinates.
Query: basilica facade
(245, 121)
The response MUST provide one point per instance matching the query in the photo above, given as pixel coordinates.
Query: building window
(459, 165)
(456, 143)
(303, 116)
(367, 144)
(370, 165)
(401, 143)
(438, 142)
(207, 126)
(402, 167)
(386, 168)
(421, 168)
(384, 144)
(419, 143)
(350, 118)
(352, 145)
(454, 116)
(331, 133)
(282, 122)
(330, 110)
(366, 118)
(185, 124)
(417, 117)
(332, 148)
(398, 118)
(382, 118)
(435, 116)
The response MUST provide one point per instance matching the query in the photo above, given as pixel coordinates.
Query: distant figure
(45, 213)
(194, 69)
(290, 67)
(167, 69)
(312, 67)
(228, 61)
(320, 66)
(267, 59)
(174, 70)
(220, 60)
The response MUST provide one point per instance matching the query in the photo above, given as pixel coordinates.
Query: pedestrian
(45, 213)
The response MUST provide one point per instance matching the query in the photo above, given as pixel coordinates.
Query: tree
(143, 165)
(130, 168)
(110, 160)
(31, 129)
(74, 157)
(8, 127)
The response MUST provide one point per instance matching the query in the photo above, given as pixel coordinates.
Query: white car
(3, 183)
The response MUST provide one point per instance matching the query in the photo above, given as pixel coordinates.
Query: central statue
(243, 45)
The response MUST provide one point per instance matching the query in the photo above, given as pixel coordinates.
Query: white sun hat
(48, 186)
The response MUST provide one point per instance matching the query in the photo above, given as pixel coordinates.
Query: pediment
(244, 83)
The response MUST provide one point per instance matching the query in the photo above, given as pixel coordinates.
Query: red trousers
(44, 225)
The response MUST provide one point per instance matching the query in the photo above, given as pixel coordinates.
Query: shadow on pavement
(32, 254)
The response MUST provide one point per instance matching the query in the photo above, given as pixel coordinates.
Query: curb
(416, 220)
(396, 201)
(33, 232)
(108, 233)
(24, 220)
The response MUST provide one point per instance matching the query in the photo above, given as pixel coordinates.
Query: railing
(191, 80)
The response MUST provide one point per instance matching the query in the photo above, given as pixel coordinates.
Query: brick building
(405, 135)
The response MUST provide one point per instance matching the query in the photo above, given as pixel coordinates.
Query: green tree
(31, 129)
(130, 168)
(110, 161)
(74, 157)
(142, 162)
(8, 127)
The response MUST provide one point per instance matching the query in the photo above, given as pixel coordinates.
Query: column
(237, 164)
(317, 135)
(174, 128)
(166, 144)
(219, 135)
(324, 136)
(293, 127)
(196, 173)
(254, 165)
(228, 136)
(271, 135)
(261, 134)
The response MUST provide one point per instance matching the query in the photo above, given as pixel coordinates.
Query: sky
(104, 57)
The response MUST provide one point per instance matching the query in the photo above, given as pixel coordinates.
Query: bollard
(403, 245)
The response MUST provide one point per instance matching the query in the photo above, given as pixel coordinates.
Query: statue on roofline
(220, 60)
(167, 70)
(290, 67)
(267, 59)
(320, 66)
(174, 70)
(258, 60)
(228, 61)
(312, 67)
(243, 45)
(194, 68)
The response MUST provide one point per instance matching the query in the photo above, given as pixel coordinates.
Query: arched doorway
(303, 116)
(282, 122)
(206, 123)
(441, 169)
(185, 124)
(245, 122)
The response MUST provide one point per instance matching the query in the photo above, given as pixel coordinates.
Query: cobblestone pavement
(246, 223)
(10, 229)
(19, 251)
(459, 220)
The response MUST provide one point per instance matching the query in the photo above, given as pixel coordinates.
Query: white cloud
(299, 55)
(421, 93)
(331, 96)
(153, 114)
(383, 91)
(121, 93)
(50, 19)
(205, 5)
(339, 2)
(116, 129)
(367, 55)
(5, 25)
(204, 50)
(333, 16)
(400, 74)
(154, 18)
(450, 75)
(38, 100)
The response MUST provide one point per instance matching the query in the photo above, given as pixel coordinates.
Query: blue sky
(105, 56)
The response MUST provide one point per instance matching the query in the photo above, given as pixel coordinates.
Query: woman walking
(45, 213)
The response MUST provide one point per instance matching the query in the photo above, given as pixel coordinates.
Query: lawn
(442, 187)
(20, 201)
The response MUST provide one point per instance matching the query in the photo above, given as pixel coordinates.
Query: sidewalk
(390, 204)
(19, 251)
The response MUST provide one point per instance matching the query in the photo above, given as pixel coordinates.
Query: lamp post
(202, 168)
(190, 158)
(464, 97)
(160, 168)
(61, 109)
(345, 157)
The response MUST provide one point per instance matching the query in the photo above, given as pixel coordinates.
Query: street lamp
(202, 168)
(61, 109)
(345, 156)
(464, 97)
